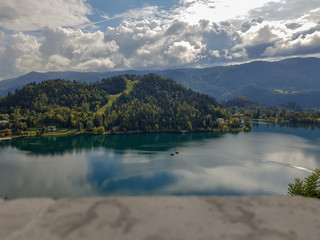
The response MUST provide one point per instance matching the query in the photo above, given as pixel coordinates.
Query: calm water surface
(260, 162)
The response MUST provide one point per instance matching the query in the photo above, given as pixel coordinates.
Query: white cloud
(193, 33)
(288, 10)
(75, 44)
(216, 11)
(61, 49)
(279, 39)
(158, 45)
(182, 52)
(80, 51)
(260, 35)
(28, 15)
(20, 55)
(96, 65)
(135, 44)
(307, 44)
(57, 62)
(148, 13)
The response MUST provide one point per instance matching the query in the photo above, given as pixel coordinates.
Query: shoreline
(9, 138)
(75, 133)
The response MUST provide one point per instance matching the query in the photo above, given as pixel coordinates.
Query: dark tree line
(289, 111)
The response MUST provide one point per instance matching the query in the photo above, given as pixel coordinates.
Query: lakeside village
(9, 131)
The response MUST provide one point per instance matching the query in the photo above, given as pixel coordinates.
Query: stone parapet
(161, 218)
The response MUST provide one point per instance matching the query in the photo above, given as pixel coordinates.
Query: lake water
(260, 162)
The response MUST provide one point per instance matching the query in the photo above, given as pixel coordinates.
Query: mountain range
(271, 83)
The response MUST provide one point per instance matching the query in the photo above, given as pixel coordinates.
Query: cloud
(150, 37)
(287, 10)
(182, 52)
(29, 15)
(79, 50)
(61, 49)
(245, 26)
(215, 11)
(134, 44)
(279, 39)
(260, 35)
(177, 43)
(308, 44)
(20, 55)
(293, 25)
(145, 13)
(2, 38)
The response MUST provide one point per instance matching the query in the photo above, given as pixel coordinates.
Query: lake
(260, 162)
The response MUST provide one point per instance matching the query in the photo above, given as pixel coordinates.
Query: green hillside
(122, 103)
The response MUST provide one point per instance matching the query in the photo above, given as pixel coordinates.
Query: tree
(98, 130)
(85, 107)
(7, 132)
(247, 123)
(3, 117)
(310, 187)
(89, 125)
(97, 121)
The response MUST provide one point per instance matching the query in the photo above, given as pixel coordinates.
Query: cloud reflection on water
(25, 176)
(261, 162)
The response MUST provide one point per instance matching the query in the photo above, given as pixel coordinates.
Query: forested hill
(52, 93)
(122, 103)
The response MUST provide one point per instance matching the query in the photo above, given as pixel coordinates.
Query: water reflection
(261, 162)
(68, 144)
(25, 176)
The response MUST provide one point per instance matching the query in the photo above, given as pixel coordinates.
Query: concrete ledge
(160, 218)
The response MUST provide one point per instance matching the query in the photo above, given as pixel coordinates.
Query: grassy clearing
(130, 85)
(60, 132)
(113, 98)
(285, 92)
(281, 91)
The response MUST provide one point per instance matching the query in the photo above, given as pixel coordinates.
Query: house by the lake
(220, 120)
(52, 128)
(4, 124)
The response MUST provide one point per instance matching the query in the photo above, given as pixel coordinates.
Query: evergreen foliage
(51, 93)
(136, 103)
(158, 103)
(287, 112)
(310, 187)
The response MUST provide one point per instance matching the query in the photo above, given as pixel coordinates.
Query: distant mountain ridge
(271, 83)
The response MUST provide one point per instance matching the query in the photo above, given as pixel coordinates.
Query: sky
(109, 35)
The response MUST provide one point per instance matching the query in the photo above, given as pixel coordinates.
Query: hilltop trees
(151, 103)
(160, 102)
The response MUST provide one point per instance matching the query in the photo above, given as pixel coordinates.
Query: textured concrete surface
(159, 218)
